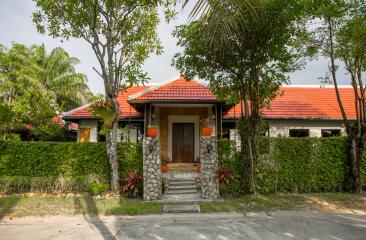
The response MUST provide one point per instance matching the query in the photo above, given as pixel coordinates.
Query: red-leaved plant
(223, 175)
(132, 181)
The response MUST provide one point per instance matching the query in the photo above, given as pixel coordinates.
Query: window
(226, 129)
(299, 132)
(331, 132)
(131, 131)
(84, 135)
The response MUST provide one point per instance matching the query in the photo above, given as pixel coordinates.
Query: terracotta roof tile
(126, 110)
(179, 90)
(306, 103)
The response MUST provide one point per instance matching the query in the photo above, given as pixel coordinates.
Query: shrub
(50, 132)
(230, 159)
(24, 165)
(16, 184)
(97, 188)
(293, 165)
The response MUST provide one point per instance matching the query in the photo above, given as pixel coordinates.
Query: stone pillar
(151, 169)
(209, 167)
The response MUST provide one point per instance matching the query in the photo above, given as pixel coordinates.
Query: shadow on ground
(88, 207)
(7, 204)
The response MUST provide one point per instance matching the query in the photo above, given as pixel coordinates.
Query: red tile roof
(126, 110)
(293, 103)
(179, 90)
(307, 103)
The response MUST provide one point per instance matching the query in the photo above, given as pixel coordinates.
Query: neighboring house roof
(58, 119)
(293, 102)
(307, 103)
(177, 90)
(126, 110)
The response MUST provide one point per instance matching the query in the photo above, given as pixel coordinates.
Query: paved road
(279, 225)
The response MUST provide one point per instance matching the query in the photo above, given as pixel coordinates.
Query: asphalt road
(254, 226)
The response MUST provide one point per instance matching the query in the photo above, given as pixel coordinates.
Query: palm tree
(56, 74)
(223, 17)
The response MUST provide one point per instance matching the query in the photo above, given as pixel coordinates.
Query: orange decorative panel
(84, 135)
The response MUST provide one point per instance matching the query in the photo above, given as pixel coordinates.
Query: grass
(41, 205)
(254, 203)
(320, 201)
(46, 205)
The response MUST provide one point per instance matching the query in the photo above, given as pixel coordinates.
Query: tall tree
(340, 34)
(122, 34)
(56, 73)
(36, 85)
(248, 69)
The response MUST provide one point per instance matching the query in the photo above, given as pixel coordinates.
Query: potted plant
(164, 166)
(206, 131)
(152, 130)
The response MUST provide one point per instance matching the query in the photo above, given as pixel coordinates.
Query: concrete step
(182, 208)
(184, 199)
(180, 174)
(182, 183)
(182, 187)
(183, 180)
(183, 191)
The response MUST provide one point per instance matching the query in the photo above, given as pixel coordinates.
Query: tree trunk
(111, 140)
(356, 155)
(246, 155)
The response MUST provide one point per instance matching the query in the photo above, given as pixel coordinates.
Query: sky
(16, 26)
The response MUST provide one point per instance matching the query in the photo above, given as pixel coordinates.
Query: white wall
(282, 127)
(93, 125)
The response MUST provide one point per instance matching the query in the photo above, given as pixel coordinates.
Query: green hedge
(293, 165)
(78, 163)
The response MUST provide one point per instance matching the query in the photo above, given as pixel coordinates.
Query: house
(177, 108)
(308, 110)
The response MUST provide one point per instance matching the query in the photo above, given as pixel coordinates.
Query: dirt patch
(356, 205)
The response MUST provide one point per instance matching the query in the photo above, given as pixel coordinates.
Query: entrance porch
(191, 157)
(179, 131)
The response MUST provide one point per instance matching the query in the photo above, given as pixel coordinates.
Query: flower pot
(206, 132)
(152, 132)
(165, 169)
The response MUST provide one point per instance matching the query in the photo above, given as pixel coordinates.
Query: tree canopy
(36, 85)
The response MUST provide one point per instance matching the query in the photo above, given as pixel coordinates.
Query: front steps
(182, 186)
(182, 196)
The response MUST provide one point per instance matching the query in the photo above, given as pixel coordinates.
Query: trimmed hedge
(293, 165)
(78, 164)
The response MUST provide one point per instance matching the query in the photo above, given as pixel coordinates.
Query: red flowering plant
(131, 183)
(223, 175)
(197, 161)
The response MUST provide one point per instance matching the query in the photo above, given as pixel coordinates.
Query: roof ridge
(76, 109)
(152, 88)
(315, 86)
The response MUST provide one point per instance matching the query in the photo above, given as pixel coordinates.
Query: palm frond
(223, 18)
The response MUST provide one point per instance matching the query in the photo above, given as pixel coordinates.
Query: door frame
(195, 119)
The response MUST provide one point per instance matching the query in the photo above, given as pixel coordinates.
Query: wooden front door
(183, 142)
